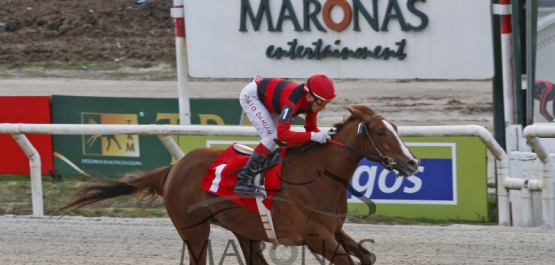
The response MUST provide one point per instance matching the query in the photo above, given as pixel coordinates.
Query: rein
(262, 169)
(386, 161)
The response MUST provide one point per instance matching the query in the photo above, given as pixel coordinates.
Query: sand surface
(80, 240)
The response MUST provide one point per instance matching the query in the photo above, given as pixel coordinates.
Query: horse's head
(378, 140)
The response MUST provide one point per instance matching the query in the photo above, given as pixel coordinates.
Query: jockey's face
(314, 104)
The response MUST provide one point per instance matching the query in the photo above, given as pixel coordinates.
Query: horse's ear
(356, 112)
(351, 110)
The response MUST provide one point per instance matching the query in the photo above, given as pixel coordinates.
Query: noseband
(386, 161)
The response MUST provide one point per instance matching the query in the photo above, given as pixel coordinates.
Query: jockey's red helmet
(321, 87)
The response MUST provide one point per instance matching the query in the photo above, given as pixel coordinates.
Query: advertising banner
(434, 184)
(434, 39)
(19, 109)
(451, 183)
(114, 155)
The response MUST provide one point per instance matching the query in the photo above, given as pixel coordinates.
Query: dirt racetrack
(79, 240)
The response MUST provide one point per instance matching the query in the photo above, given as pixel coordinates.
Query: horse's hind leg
(366, 257)
(332, 250)
(252, 250)
(196, 239)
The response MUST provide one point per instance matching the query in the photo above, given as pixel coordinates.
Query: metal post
(526, 198)
(172, 146)
(531, 35)
(508, 66)
(497, 83)
(518, 51)
(178, 13)
(35, 172)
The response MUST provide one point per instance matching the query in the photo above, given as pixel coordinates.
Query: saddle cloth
(221, 176)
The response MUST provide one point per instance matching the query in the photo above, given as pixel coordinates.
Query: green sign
(115, 155)
(451, 184)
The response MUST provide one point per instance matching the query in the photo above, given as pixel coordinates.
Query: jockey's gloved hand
(321, 137)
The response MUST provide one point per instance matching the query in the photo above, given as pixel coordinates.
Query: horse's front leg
(252, 250)
(366, 257)
(331, 249)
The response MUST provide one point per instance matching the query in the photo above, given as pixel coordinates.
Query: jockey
(544, 92)
(271, 104)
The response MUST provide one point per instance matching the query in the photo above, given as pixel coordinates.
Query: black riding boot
(244, 183)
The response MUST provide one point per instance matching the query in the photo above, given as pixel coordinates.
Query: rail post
(178, 13)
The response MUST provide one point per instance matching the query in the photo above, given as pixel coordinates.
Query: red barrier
(24, 110)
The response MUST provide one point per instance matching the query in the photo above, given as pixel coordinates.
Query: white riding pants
(264, 121)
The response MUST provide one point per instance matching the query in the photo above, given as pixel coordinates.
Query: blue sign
(435, 183)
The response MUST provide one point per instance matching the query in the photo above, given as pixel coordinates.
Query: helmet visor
(320, 101)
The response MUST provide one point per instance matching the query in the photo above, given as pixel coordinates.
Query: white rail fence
(505, 182)
(546, 184)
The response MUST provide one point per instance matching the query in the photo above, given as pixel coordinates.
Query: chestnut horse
(309, 209)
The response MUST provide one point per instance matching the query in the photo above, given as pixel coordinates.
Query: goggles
(319, 101)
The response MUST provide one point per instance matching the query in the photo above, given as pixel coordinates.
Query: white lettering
(383, 187)
(416, 181)
(368, 187)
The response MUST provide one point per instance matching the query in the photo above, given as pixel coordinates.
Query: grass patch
(91, 65)
(147, 76)
(15, 198)
(57, 65)
(125, 69)
(377, 219)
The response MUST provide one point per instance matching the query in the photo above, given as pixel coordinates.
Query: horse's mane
(338, 126)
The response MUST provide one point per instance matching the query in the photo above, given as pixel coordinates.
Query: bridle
(386, 161)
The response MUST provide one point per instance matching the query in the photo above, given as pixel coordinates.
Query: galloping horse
(311, 214)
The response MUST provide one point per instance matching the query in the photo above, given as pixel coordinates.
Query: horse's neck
(329, 160)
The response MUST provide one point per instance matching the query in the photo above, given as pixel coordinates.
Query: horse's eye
(381, 132)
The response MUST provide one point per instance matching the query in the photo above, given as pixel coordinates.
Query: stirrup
(256, 191)
(259, 192)
(260, 189)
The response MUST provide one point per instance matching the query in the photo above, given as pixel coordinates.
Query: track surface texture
(80, 240)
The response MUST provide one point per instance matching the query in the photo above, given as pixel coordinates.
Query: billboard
(341, 38)
(16, 109)
(451, 183)
(436, 182)
(115, 155)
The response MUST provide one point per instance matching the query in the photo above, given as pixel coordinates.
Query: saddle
(221, 176)
(271, 160)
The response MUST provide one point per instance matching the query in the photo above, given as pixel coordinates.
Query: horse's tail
(152, 181)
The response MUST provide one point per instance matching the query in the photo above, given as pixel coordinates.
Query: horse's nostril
(414, 163)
